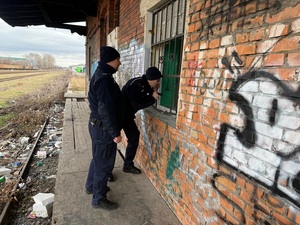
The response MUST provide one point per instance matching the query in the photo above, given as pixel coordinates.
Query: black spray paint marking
(247, 136)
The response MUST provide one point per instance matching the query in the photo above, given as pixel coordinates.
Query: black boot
(131, 169)
(106, 205)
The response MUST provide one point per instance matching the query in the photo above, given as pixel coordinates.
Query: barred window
(167, 48)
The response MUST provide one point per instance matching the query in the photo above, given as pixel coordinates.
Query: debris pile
(43, 205)
(29, 167)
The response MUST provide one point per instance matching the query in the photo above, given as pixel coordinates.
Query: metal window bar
(168, 26)
(174, 18)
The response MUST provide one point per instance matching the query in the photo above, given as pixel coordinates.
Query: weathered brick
(239, 201)
(294, 214)
(250, 221)
(241, 38)
(266, 38)
(198, 26)
(214, 43)
(195, 17)
(233, 220)
(227, 40)
(246, 49)
(281, 218)
(294, 59)
(274, 60)
(296, 26)
(288, 74)
(212, 63)
(283, 15)
(278, 30)
(255, 22)
(210, 54)
(231, 186)
(251, 7)
(287, 44)
(191, 28)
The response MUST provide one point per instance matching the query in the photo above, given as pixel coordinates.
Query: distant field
(14, 84)
(77, 83)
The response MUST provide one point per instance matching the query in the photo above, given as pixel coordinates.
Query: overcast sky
(67, 48)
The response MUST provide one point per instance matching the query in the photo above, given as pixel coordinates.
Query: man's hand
(155, 95)
(117, 139)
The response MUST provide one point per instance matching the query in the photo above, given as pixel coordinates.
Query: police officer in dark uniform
(138, 93)
(105, 99)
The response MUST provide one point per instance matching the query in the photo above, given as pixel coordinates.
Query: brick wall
(131, 45)
(233, 157)
(92, 43)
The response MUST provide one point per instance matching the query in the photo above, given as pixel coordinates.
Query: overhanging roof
(51, 13)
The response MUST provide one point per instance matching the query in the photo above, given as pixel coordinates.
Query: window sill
(165, 117)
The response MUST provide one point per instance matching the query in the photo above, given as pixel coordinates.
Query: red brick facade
(231, 153)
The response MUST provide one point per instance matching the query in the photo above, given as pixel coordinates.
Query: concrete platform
(139, 202)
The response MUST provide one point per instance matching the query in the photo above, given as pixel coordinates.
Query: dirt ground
(17, 142)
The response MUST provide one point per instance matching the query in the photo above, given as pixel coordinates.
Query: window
(167, 47)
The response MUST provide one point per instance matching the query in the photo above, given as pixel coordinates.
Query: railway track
(23, 171)
(15, 71)
(21, 77)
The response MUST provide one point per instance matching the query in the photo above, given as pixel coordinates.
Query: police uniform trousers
(104, 155)
(133, 135)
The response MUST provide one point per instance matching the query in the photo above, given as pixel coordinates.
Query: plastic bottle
(2, 179)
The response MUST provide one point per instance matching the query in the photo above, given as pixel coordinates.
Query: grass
(77, 83)
(11, 90)
(5, 118)
(26, 101)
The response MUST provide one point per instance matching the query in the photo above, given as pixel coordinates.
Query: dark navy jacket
(105, 99)
(137, 94)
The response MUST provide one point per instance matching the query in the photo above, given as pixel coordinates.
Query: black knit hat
(152, 73)
(108, 54)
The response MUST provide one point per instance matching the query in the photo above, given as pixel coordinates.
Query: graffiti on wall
(267, 145)
(218, 18)
(132, 61)
(260, 138)
(153, 142)
(155, 139)
(262, 141)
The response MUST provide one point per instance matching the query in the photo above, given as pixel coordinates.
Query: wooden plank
(84, 117)
(80, 127)
(68, 132)
(85, 114)
(77, 126)
(75, 95)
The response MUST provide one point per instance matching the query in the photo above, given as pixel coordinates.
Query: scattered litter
(21, 185)
(14, 152)
(24, 140)
(36, 134)
(39, 163)
(4, 154)
(42, 154)
(2, 179)
(43, 198)
(4, 171)
(58, 144)
(32, 215)
(16, 164)
(43, 204)
(28, 147)
(51, 176)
